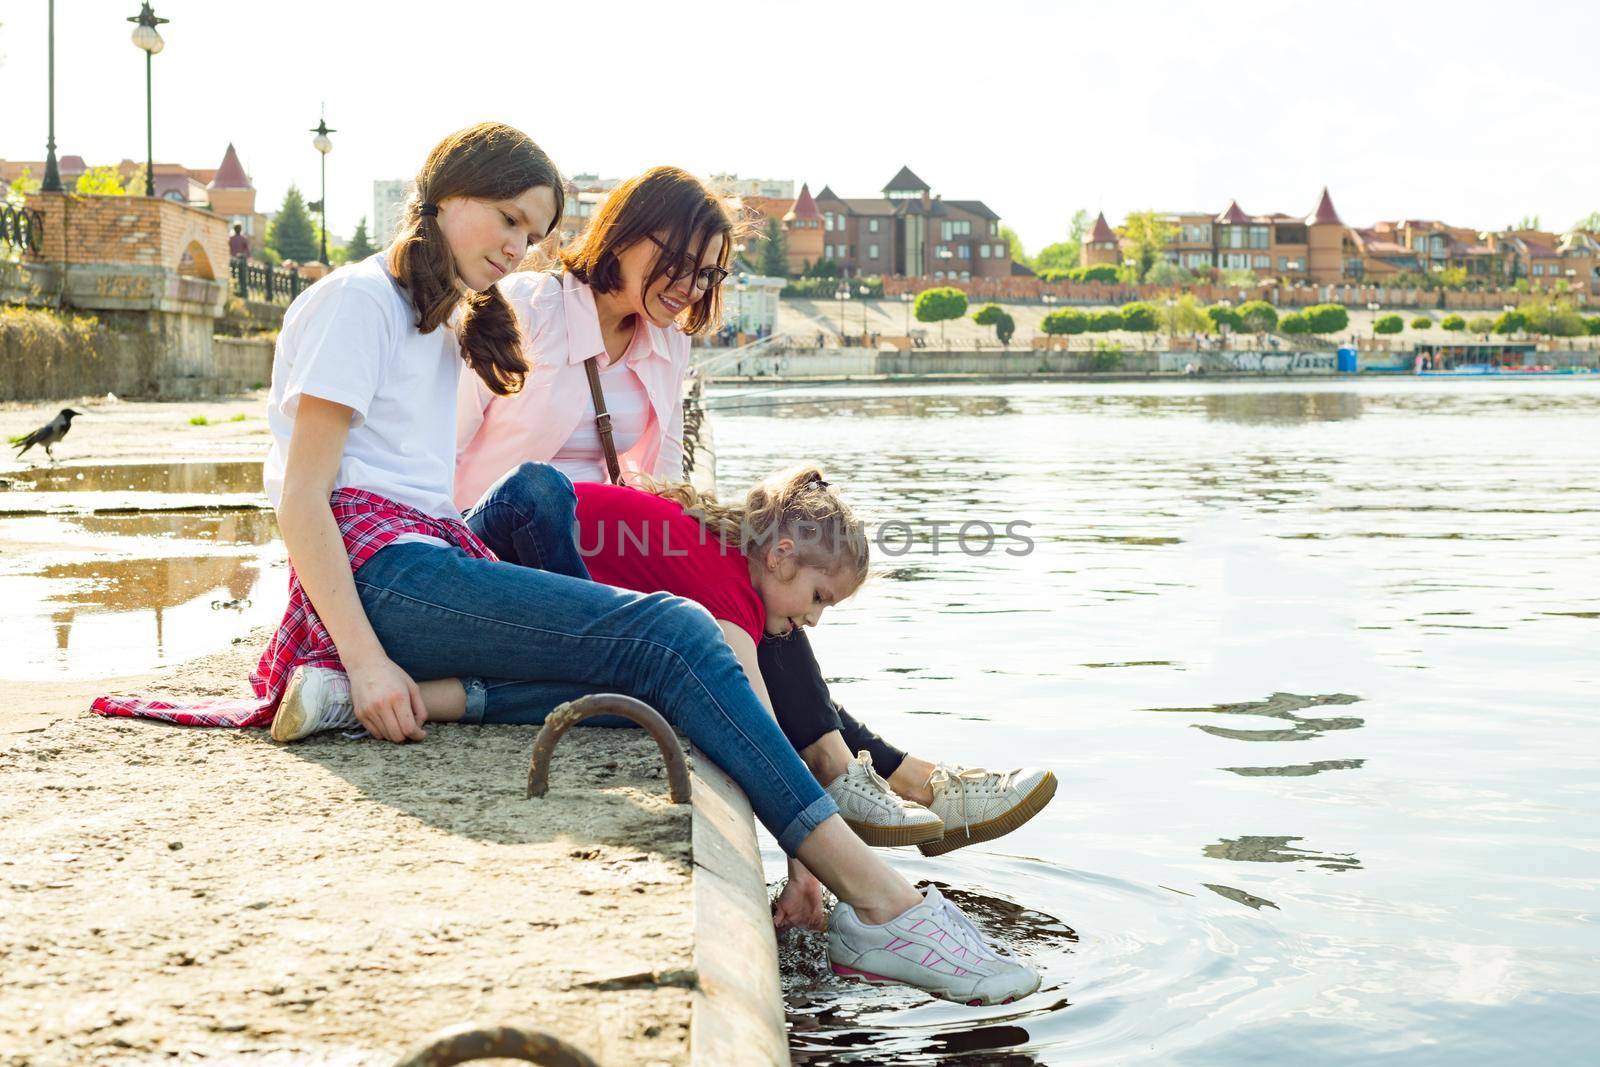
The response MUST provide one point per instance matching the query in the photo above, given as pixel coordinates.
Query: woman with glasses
(644, 277)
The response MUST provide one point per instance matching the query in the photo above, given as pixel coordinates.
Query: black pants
(804, 707)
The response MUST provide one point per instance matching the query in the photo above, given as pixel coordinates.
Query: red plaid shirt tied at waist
(367, 522)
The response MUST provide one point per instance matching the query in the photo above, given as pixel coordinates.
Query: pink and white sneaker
(933, 947)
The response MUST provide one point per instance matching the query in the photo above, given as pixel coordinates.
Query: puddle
(98, 585)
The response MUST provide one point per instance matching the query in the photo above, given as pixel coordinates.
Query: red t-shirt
(637, 540)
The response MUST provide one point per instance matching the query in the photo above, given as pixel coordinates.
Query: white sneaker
(979, 805)
(316, 699)
(933, 947)
(875, 813)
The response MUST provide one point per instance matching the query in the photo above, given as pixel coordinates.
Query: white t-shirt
(350, 339)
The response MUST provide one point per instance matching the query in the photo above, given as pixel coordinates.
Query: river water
(1317, 666)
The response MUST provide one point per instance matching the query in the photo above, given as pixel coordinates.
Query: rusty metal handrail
(461, 1044)
(573, 712)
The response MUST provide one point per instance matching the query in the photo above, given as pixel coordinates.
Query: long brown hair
(661, 200)
(799, 504)
(489, 161)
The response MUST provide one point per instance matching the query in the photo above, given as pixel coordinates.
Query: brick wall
(136, 230)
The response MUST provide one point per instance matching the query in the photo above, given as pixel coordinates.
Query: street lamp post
(52, 173)
(1374, 307)
(148, 40)
(907, 299)
(739, 287)
(863, 291)
(323, 146)
(842, 294)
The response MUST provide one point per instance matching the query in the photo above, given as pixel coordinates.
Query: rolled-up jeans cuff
(810, 817)
(477, 701)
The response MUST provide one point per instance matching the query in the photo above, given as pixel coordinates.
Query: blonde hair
(798, 503)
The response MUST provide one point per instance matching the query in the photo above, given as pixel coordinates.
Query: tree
(1104, 321)
(1294, 323)
(1481, 324)
(1453, 323)
(1225, 316)
(1527, 222)
(25, 185)
(940, 305)
(1169, 273)
(1064, 255)
(1139, 317)
(1327, 318)
(291, 234)
(1590, 222)
(360, 246)
(1557, 318)
(100, 181)
(1389, 324)
(1014, 246)
(996, 316)
(775, 253)
(1100, 272)
(1147, 235)
(1064, 321)
(1510, 322)
(1186, 316)
(1421, 322)
(823, 268)
(1592, 324)
(1258, 316)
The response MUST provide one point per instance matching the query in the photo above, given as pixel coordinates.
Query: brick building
(907, 231)
(1319, 248)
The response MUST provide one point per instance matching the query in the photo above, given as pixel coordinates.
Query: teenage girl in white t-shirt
(363, 424)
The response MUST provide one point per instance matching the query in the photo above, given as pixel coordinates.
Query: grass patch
(238, 418)
(199, 420)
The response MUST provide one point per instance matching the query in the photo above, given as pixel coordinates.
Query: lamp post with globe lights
(148, 40)
(323, 146)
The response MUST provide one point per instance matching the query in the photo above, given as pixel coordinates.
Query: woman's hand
(800, 903)
(387, 702)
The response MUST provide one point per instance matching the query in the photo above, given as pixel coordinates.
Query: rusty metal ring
(463, 1043)
(573, 712)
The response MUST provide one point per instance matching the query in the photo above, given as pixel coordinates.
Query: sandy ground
(114, 430)
(173, 894)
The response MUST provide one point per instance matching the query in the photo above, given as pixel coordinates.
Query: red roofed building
(1100, 247)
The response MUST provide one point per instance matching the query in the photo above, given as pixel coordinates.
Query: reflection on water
(1277, 850)
(1426, 550)
(98, 594)
(1285, 407)
(1297, 770)
(204, 477)
(793, 404)
(1279, 706)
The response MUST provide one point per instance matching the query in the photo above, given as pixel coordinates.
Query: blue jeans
(521, 638)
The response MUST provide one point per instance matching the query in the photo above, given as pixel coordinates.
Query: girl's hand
(800, 903)
(387, 702)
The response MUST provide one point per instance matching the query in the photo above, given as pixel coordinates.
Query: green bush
(1139, 317)
(995, 315)
(1064, 321)
(1100, 272)
(1105, 357)
(1104, 321)
(1258, 316)
(1421, 322)
(1294, 323)
(1389, 324)
(1327, 318)
(1480, 324)
(1592, 324)
(1221, 316)
(1510, 322)
(1453, 323)
(940, 305)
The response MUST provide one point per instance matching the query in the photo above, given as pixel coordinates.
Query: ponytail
(489, 161)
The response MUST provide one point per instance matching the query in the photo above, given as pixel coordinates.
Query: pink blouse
(562, 329)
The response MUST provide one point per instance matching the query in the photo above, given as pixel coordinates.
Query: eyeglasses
(680, 266)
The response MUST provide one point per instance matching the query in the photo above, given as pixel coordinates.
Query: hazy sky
(1476, 113)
